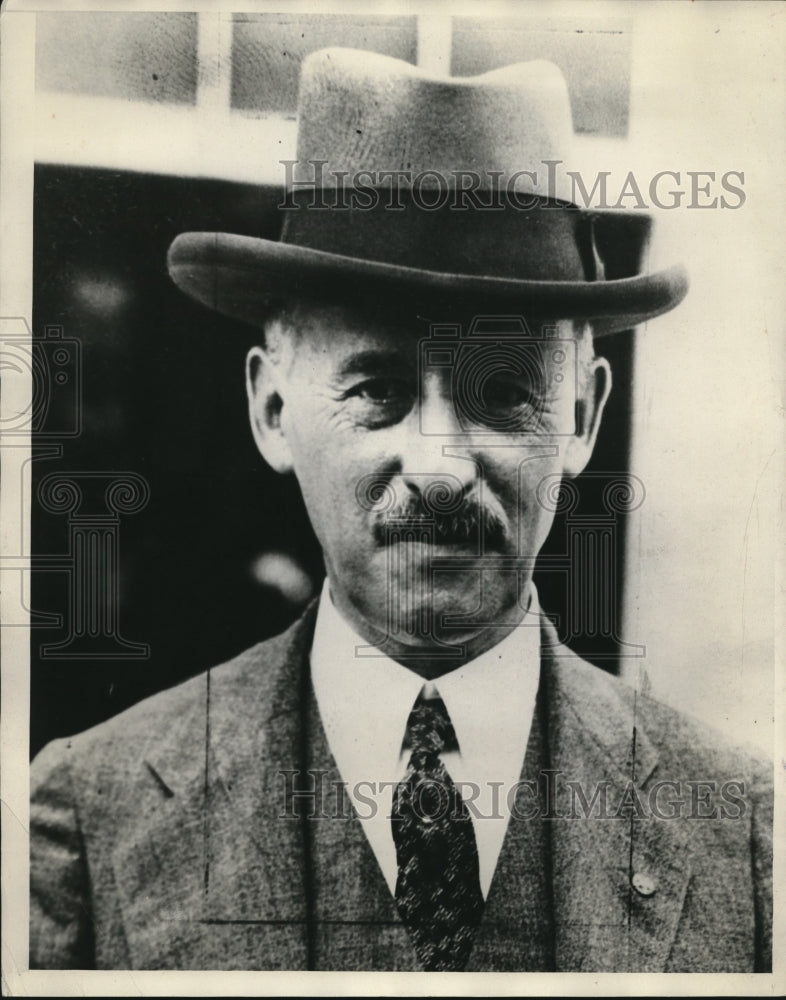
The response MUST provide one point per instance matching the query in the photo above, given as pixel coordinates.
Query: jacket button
(644, 884)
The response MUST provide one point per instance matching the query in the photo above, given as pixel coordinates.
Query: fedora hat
(420, 188)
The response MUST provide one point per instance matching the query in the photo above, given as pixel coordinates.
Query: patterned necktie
(438, 887)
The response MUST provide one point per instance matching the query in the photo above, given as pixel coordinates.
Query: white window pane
(268, 49)
(593, 54)
(140, 57)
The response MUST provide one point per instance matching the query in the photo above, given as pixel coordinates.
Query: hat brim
(239, 275)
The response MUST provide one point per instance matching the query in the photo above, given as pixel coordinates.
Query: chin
(404, 600)
(434, 615)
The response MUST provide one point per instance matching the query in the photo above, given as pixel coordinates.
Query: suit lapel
(603, 922)
(158, 863)
(214, 877)
(355, 920)
(516, 933)
(253, 838)
(317, 878)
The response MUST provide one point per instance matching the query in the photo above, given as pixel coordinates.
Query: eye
(499, 385)
(507, 392)
(380, 401)
(381, 391)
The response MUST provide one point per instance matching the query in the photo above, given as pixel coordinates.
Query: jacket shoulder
(176, 716)
(683, 741)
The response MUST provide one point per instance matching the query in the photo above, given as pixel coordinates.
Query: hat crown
(361, 112)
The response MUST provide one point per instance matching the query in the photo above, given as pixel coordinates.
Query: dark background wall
(161, 396)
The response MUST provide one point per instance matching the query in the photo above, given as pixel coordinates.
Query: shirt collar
(365, 698)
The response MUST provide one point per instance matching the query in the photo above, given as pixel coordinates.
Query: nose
(436, 459)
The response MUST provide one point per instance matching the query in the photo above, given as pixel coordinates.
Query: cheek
(327, 471)
(556, 416)
(304, 423)
(526, 479)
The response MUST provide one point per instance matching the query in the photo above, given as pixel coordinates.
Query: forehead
(335, 332)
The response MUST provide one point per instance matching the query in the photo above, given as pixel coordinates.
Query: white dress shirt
(365, 699)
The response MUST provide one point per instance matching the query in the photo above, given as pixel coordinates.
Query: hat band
(550, 241)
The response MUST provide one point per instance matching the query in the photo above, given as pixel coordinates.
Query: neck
(425, 656)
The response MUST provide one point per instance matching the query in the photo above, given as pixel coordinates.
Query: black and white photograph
(392, 498)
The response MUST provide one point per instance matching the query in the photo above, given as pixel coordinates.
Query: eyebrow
(372, 361)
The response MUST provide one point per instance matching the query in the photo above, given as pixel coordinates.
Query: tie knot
(429, 729)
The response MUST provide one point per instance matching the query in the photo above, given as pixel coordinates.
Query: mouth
(435, 546)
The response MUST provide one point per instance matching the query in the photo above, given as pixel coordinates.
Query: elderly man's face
(427, 467)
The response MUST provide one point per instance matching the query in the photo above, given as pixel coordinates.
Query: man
(426, 371)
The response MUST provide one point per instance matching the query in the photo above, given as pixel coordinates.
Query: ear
(589, 411)
(265, 403)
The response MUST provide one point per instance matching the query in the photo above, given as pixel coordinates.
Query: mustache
(469, 521)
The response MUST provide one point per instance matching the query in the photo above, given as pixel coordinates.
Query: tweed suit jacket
(161, 839)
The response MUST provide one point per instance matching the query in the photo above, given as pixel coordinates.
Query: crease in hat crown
(365, 112)
(513, 120)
